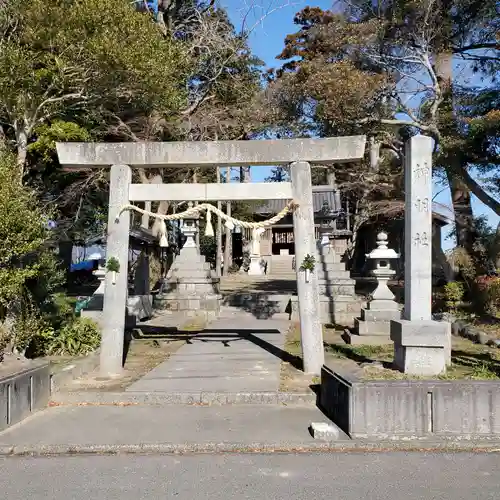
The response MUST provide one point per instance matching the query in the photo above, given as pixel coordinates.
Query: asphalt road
(339, 476)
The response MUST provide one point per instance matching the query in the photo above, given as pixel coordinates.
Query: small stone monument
(374, 325)
(256, 268)
(191, 288)
(421, 346)
(93, 308)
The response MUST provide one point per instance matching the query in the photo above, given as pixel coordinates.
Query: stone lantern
(373, 327)
(326, 217)
(383, 272)
(190, 228)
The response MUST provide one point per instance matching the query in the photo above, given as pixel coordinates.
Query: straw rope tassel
(209, 230)
(163, 235)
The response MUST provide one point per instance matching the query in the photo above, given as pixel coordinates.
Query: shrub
(31, 331)
(489, 293)
(77, 338)
(454, 293)
(23, 254)
(233, 268)
(462, 263)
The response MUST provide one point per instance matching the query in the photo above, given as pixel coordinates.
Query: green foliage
(233, 268)
(489, 294)
(61, 309)
(44, 290)
(47, 135)
(76, 54)
(77, 338)
(454, 293)
(208, 246)
(308, 263)
(30, 330)
(155, 269)
(463, 264)
(112, 265)
(22, 234)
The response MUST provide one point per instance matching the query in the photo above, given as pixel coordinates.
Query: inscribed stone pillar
(308, 292)
(115, 295)
(419, 342)
(418, 229)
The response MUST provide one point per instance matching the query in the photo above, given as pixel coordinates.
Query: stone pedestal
(191, 289)
(96, 302)
(374, 325)
(139, 306)
(255, 268)
(420, 347)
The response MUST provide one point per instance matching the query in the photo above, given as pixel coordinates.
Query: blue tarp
(84, 265)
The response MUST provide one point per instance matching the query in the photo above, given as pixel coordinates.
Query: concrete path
(177, 428)
(239, 354)
(343, 476)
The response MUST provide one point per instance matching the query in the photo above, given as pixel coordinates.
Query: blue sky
(272, 20)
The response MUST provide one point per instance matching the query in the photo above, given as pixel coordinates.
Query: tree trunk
(495, 257)
(462, 209)
(245, 175)
(65, 257)
(162, 206)
(22, 150)
(460, 194)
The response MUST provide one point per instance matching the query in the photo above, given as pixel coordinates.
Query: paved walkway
(239, 354)
(172, 426)
(354, 476)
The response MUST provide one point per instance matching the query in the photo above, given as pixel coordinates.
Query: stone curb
(160, 399)
(73, 370)
(185, 449)
(472, 333)
(460, 328)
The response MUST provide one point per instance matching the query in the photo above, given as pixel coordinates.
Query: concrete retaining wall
(411, 408)
(23, 393)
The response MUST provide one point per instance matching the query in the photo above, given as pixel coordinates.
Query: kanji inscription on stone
(418, 228)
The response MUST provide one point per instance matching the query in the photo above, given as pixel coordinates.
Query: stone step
(340, 309)
(334, 289)
(289, 275)
(331, 266)
(258, 302)
(329, 260)
(176, 266)
(281, 269)
(229, 312)
(353, 339)
(382, 315)
(372, 327)
(332, 276)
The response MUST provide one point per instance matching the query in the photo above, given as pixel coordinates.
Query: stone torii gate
(299, 154)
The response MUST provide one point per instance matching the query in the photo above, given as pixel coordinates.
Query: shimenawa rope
(230, 222)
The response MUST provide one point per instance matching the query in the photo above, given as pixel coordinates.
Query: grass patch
(361, 353)
(469, 361)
